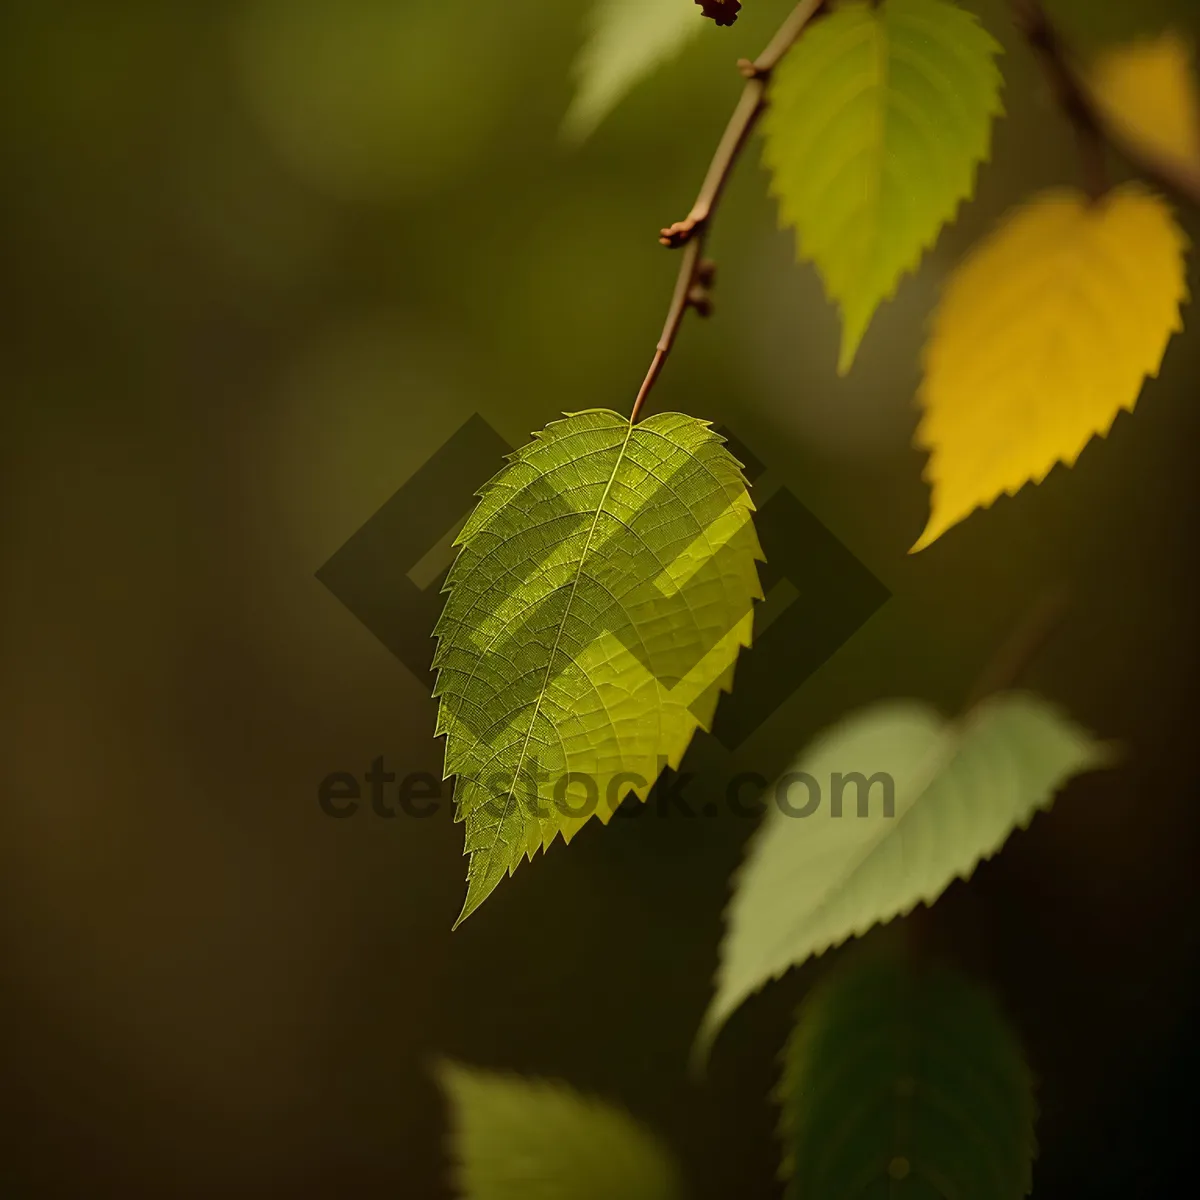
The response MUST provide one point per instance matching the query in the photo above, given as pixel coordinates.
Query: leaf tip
(577, 126)
(472, 902)
(701, 1050)
(942, 518)
(852, 337)
(927, 538)
(446, 1073)
(1107, 755)
(713, 1021)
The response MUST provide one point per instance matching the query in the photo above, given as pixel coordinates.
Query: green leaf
(905, 1083)
(603, 589)
(629, 39)
(523, 1139)
(958, 790)
(879, 117)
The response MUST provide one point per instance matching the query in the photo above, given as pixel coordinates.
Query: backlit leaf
(603, 589)
(1147, 92)
(1043, 334)
(629, 39)
(531, 1139)
(905, 1081)
(879, 119)
(812, 879)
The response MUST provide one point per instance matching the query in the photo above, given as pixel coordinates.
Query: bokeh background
(260, 260)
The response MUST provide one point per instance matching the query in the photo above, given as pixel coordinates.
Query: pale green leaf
(531, 1139)
(628, 40)
(958, 789)
(905, 1082)
(879, 118)
(602, 592)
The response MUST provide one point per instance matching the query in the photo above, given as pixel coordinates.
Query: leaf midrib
(537, 708)
(940, 757)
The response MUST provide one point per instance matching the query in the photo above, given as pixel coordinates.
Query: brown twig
(1044, 39)
(1093, 129)
(695, 271)
(1009, 663)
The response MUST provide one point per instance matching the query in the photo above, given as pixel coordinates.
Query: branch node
(696, 274)
(700, 299)
(723, 12)
(682, 232)
(1069, 90)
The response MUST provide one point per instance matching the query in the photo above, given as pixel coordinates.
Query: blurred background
(260, 260)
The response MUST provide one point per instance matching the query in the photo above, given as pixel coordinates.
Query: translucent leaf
(528, 1139)
(1043, 334)
(1147, 92)
(629, 39)
(905, 1082)
(879, 118)
(602, 592)
(922, 801)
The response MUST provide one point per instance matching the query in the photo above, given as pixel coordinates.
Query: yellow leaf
(1147, 93)
(1043, 334)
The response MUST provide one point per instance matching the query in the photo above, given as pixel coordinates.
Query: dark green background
(259, 261)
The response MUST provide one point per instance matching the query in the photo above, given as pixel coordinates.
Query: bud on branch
(724, 12)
